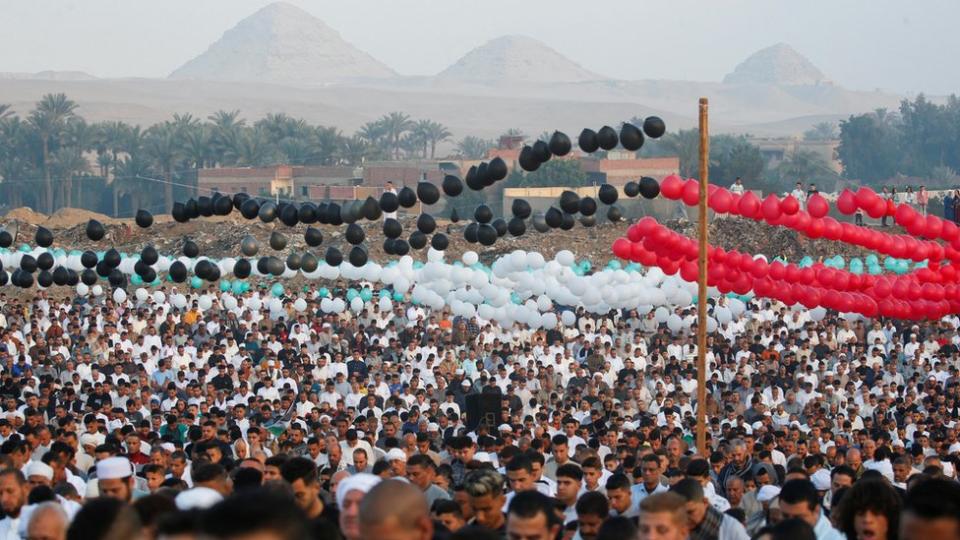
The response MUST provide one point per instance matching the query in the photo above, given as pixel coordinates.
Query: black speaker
(483, 408)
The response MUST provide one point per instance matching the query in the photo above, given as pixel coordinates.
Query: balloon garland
(928, 292)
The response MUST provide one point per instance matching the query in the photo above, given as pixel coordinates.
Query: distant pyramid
(779, 64)
(516, 59)
(284, 44)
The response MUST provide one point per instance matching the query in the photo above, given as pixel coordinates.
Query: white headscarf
(362, 482)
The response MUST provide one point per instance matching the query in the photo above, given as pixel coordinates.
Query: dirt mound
(26, 215)
(69, 217)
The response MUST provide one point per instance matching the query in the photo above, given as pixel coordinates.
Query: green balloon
(277, 289)
(196, 282)
(224, 285)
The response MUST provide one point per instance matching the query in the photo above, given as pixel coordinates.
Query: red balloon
(846, 203)
(621, 248)
(832, 230)
(672, 187)
(904, 215)
(770, 207)
(720, 201)
(865, 197)
(934, 227)
(877, 208)
(817, 206)
(749, 205)
(691, 192)
(891, 207)
(816, 228)
(789, 205)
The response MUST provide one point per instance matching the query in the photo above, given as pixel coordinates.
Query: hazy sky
(863, 44)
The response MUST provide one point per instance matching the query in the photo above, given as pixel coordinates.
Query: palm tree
(395, 124)
(685, 144)
(431, 133)
(471, 147)
(226, 125)
(129, 180)
(5, 111)
(356, 150)
(48, 119)
(80, 137)
(65, 163)
(16, 161)
(162, 145)
(251, 148)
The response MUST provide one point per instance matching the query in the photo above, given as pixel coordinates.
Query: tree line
(921, 140)
(51, 157)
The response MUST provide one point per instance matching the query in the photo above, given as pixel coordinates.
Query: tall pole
(702, 286)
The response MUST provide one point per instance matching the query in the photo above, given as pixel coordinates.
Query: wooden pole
(702, 286)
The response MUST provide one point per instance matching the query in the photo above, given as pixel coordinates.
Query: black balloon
(205, 206)
(103, 269)
(249, 246)
(149, 255)
(454, 216)
(354, 234)
(268, 212)
(588, 206)
(222, 206)
(178, 272)
(72, 278)
(540, 222)
(428, 193)
(400, 247)
(277, 241)
(388, 246)
(293, 261)
(588, 221)
(333, 256)
(631, 189)
(239, 199)
(649, 187)
(45, 279)
(88, 259)
(4, 278)
(289, 216)
(553, 217)
(28, 263)
(417, 240)
(407, 197)
(112, 258)
(203, 269)
(250, 208)
(117, 279)
(567, 222)
(309, 262)
(541, 151)
(307, 213)
(528, 161)
(486, 234)
(483, 175)
(242, 268)
(570, 202)
(89, 277)
(654, 127)
(358, 256)
(497, 169)
(96, 232)
(614, 214)
(192, 209)
(190, 249)
(392, 228)
(439, 242)
(263, 265)
(483, 214)
(607, 138)
(45, 261)
(149, 276)
(6, 239)
(608, 194)
(588, 141)
(313, 237)
(426, 224)
(334, 214)
(516, 227)
(322, 213)
(520, 208)
(389, 201)
(470, 233)
(452, 186)
(140, 268)
(356, 211)
(631, 138)
(143, 218)
(500, 225)
(61, 276)
(347, 214)
(44, 237)
(371, 209)
(559, 144)
(472, 180)
(276, 266)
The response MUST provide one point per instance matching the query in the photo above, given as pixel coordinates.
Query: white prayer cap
(482, 457)
(39, 468)
(883, 466)
(821, 480)
(198, 498)
(768, 493)
(396, 454)
(114, 467)
(168, 447)
(362, 482)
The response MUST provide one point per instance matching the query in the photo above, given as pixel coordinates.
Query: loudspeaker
(483, 408)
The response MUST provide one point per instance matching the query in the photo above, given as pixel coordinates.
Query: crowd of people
(141, 420)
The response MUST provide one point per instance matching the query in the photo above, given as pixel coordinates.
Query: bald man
(396, 510)
(48, 521)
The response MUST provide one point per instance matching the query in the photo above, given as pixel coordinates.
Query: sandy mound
(25, 214)
(69, 217)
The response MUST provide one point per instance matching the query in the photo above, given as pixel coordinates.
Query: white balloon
(97, 290)
(722, 314)
(569, 318)
(119, 296)
(661, 314)
(82, 289)
(817, 314)
(356, 305)
(564, 257)
(229, 302)
(470, 258)
(205, 302)
(300, 304)
(674, 323)
(711, 325)
(385, 304)
(141, 294)
(159, 297)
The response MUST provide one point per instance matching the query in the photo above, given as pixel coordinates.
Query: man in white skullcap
(115, 478)
(350, 492)
(39, 473)
(198, 498)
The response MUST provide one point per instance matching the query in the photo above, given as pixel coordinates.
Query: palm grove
(52, 158)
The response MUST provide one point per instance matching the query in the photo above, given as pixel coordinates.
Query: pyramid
(778, 64)
(516, 59)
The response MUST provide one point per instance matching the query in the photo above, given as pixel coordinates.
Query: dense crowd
(142, 420)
